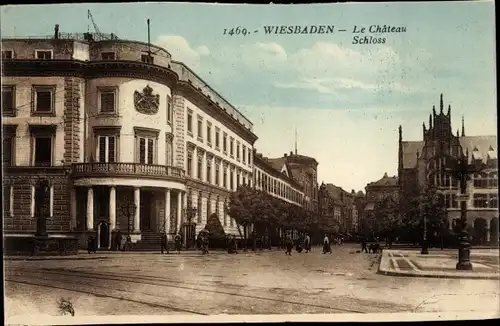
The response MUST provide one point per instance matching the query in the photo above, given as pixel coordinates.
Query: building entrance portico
(138, 211)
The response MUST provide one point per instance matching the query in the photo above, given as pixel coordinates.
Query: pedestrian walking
(128, 244)
(118, 241)
(289, 245)
(89, 245)
(326, 245)
(307, 243)
(164, 242)
(178, 243)
(299, 245)
(363, 245)
(232, 245)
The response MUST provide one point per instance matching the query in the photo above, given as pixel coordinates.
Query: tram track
(153, 289)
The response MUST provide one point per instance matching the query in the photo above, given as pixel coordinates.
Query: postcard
(196, 162)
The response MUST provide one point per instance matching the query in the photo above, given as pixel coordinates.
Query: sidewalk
(84, 255)
(440, 264)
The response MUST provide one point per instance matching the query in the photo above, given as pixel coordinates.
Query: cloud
(181, 50)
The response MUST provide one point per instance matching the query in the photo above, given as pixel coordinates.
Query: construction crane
(98, 35)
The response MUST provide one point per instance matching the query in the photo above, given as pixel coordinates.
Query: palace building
(422, 161)
(127, 138)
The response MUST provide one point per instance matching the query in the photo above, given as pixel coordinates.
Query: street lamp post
(190, 212)
(128, 209)
(461, 170)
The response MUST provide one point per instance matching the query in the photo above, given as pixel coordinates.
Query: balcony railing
(126, 169)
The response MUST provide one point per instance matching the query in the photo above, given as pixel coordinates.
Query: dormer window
(7, 54)
(107, 56)
(147, 58)
(43, 54)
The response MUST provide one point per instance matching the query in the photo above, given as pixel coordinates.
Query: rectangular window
(44, 99)
(209, 134)
(224, 143)
(200, 129)
(493, 180)
(8, 150)
(7, 54)
(209, 170)
(190, 123)
(238, 151)
(8, 197)
(493, 201)
(107, 56)
(217, 140)
(42, 150)
(481, 200)
(169, 151)
(224, 179)
(200, 167)
(231, 147)
(190, 164)
(231, 180)
(169, 110)
(237, 180)
(249, 157)
(244, 181)
(244, 154)
(107, 101)
(147, 58)
(43, 54)
(217, 174)
(8, 100)
(147, 150)
(106, 149)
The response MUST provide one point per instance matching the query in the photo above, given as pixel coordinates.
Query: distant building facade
(110, 124)
(379, 190)
(340, 206)
(304, 170)
(421, 162)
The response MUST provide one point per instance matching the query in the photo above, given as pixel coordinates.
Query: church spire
(430, 121)
(441, 104)
(463, 127)
(449, 110)
(434, 110)
(458, 134)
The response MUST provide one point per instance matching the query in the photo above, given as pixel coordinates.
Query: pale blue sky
(345, 100)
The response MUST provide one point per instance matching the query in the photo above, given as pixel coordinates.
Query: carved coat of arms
(146, 102)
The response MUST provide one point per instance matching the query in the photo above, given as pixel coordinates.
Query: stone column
(72, 213)
(137, 215)
(488, 228)
(167, 211)
(112, 208)
(204, 167)
(195, 164)
(51, 201)
(179, 210)
(221, 175)
(90, 209)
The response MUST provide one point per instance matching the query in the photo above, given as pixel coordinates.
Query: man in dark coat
(164, 244)
(289, 245)
(178, 243)
(118, 240)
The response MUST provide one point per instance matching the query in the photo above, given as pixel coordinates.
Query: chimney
(285, 155)
(56, 32)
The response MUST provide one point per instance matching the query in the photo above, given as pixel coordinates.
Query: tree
(428, 204)
(216, 233)
(388, 218)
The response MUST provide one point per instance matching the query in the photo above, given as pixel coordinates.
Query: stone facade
(107, 154)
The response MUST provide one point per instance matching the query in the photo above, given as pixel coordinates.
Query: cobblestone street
(246, 283)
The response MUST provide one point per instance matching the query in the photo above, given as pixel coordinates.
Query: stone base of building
(49, 245)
